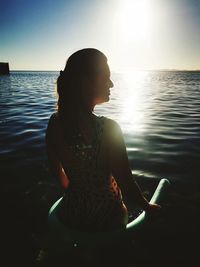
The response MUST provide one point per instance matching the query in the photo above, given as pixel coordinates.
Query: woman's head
(84, 82)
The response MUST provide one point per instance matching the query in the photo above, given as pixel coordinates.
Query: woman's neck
(86, 113)
(86, 117)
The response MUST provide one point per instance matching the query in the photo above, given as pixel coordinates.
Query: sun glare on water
(133, 24)
(134, 102)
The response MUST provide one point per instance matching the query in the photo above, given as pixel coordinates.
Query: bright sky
(134, 34)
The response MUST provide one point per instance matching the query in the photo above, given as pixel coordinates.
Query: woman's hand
(153, 209)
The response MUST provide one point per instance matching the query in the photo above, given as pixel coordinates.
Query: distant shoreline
(34, 70)
(167, 70)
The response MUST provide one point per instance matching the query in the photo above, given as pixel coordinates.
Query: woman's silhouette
(87, 152)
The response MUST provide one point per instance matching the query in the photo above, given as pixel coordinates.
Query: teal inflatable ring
(61, 236)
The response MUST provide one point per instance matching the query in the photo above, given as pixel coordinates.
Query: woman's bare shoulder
(112, 128)
(112, 124)
(107, 119)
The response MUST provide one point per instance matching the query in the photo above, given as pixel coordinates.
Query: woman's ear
(88, 85)
(85, 81)
(87, 89)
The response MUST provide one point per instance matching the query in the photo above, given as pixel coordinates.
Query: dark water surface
(159, 113)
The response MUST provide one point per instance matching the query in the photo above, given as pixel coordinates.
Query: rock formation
(4, 68)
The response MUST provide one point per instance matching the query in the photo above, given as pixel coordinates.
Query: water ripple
(159, 113)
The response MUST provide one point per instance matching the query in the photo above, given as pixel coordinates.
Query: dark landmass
(4, 68)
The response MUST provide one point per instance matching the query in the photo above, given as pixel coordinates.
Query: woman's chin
(105, 99)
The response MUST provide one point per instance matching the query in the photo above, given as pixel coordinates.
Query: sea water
(158, 112)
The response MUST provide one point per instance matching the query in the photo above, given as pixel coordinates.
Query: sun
(133, 33)
(133, 20)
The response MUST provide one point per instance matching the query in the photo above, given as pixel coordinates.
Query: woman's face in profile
(102, 84)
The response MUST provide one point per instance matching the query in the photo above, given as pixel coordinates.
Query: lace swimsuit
(92, 200)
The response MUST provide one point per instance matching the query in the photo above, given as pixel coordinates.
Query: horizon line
(162, 69)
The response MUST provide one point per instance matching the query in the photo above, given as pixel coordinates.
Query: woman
(87, 152)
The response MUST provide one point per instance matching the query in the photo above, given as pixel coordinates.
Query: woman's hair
(85, 63)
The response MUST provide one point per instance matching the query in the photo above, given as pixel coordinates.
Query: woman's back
(92, 199)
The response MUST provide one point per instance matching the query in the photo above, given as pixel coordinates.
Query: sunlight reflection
(133, 106)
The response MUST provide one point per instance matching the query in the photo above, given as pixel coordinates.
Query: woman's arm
(54, 163)
(121, 170)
